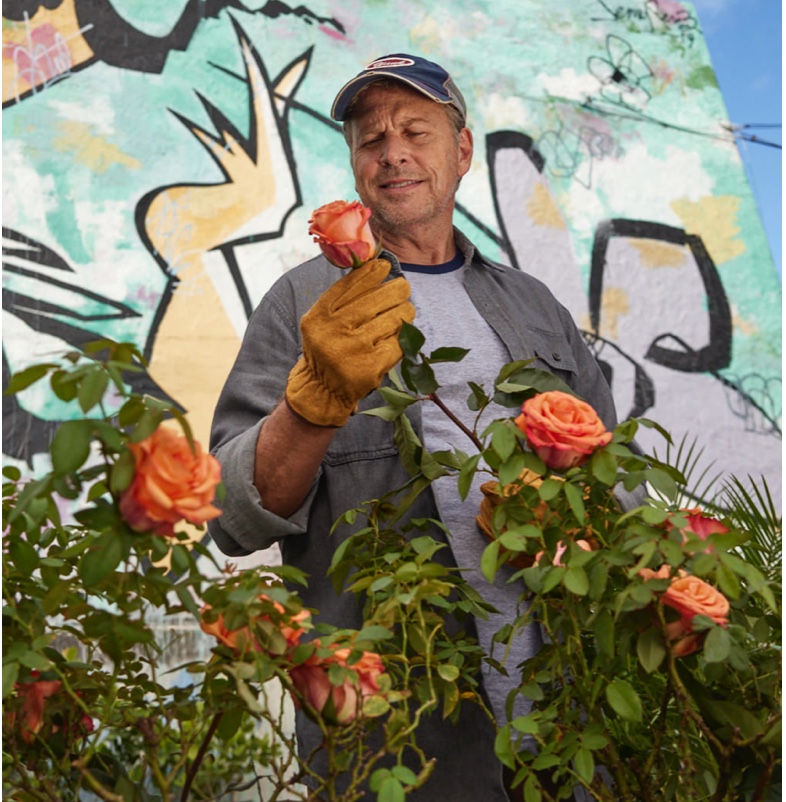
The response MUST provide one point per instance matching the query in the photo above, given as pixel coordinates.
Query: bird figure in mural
(193, 229)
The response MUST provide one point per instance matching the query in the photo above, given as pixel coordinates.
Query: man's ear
(465, 150)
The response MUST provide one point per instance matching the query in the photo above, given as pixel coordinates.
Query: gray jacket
(362, 462)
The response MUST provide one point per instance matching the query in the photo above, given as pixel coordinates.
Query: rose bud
(342, 231)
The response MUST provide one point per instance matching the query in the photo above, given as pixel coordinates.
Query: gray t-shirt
(447, 317)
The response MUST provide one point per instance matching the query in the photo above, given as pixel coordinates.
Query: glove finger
(355, 284)
(378, 301)
(385, 325)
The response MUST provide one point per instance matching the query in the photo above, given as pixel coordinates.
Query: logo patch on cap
(389, 63)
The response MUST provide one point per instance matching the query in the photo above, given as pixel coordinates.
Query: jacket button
(556, 356)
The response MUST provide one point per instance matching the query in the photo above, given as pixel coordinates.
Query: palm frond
(685, 457)
(751, 508)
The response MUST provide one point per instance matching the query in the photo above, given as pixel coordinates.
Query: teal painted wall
(161, 160)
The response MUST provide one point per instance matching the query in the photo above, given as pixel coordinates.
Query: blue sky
(744, 38)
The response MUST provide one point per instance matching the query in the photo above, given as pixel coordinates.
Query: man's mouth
(399, 183)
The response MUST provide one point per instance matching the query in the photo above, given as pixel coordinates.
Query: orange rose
(171, 483)
(691, 596)
(337, 704)
(343, 233)
(241, 639)
(562, 429)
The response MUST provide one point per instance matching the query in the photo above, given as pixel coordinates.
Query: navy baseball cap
(425, 76)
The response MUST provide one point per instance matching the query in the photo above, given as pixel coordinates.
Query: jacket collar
(472, 256)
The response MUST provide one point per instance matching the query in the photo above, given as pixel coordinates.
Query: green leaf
(576, 501)
(411, 340)
(603, 466)
(122, 472)
(374, 632)
(448, 354)
(550, 489)
(420, 377)
(488, 561)
(24, 378)
(101, 559)
(230, 723)
(650, 649)
(23, 555)
(603, 627)
(10, 674)
(504, 441)
(511, 469)
(624, 700)
(584, 764)
(71, 446)
(148, 423)
(407, 776)
(92, 388)
(396, 398)
(576, 581)
(717, 645)
(448, 672)
(391, 790)
(467, 474)
(503, 748)
(662, 482)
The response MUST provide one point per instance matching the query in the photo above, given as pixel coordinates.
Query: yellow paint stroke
(613, 305)
(714, 219)
(654, 253)
(196, 342)
(542, 210)
(742, 325)
(39, 51)
(93, 151)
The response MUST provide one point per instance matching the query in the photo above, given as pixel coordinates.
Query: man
(294, 457)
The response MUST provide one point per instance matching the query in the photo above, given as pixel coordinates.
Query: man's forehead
(407, 104)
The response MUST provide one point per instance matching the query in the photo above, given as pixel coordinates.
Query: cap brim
(344, 98)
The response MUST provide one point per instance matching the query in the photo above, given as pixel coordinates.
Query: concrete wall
(161, 160)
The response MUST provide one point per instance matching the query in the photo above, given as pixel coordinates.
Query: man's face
(406, 157)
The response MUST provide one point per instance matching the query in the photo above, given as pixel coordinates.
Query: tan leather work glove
(350, 341)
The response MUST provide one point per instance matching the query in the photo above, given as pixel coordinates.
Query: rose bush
(641, 691)
(342, 231)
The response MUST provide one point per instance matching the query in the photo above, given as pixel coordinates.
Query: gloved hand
(350, 341)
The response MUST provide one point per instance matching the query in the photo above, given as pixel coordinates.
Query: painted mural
(161, 160)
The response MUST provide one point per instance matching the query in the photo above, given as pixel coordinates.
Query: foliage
(616, 709)
(86, 606)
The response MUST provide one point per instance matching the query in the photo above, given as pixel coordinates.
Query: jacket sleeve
(253, 388)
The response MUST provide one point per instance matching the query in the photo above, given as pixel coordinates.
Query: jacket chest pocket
(553, 353)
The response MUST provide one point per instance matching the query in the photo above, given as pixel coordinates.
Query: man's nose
(394, 151)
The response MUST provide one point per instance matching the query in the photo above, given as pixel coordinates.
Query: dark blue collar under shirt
(446, 267)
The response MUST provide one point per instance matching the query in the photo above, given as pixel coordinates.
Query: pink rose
(700, 525)
(562, 429)
(337, 704)
(342, 231)
(171, 483)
